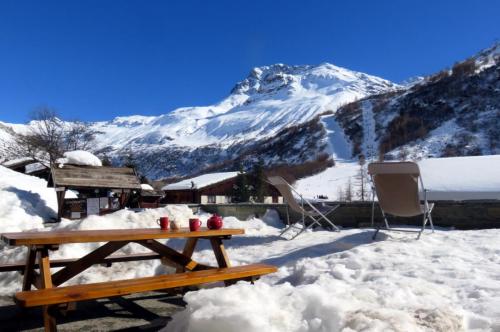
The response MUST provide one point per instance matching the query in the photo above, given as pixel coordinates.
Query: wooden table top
(106, 235)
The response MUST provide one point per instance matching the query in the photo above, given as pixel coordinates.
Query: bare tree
(43, 139)
(79, 136)
(341, 195)
(48, 137)
(403, 154)
(348, 191)
(362, 178)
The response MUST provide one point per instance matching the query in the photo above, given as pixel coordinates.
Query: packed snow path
(369, 137)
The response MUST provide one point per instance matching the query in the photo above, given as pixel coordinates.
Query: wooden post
(29, 269)
(49, 321)
(221, 256)
(123, 199)
(188, 251)
(61, 193)
(220, 252)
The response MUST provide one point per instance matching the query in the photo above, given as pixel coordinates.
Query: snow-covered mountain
(272, 115)
(307, 116)
(454, 112)
(268, 100)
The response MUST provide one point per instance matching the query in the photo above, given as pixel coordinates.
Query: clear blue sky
(94, 60)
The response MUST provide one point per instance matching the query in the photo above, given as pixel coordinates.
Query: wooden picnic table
(40, 244)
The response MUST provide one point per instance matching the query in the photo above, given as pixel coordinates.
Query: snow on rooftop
(30, 168)
(200, 181)
(460, 178)
(145, 186)
(79, 157)
(16, 161)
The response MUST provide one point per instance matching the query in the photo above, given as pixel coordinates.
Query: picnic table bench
(50, 293)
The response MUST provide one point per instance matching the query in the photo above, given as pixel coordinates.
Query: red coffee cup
(163, 222)
(194, 224)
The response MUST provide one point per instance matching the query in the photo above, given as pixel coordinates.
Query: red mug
(194, 224)
(163, 222)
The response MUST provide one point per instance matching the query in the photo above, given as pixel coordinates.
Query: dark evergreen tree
(129, 160)
(144, 179)
(241, 190)
(258, 181)
(106, 161)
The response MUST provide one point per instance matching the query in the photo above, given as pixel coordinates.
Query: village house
(212, 188)
(149, 197)
(99, 190)
(28, 166)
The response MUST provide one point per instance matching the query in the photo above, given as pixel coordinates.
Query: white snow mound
(25, 201)
(79, 157)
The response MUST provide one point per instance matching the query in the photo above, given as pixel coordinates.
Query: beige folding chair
(397, 187)
(303, 206)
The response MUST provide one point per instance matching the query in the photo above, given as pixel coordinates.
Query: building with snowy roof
(212, 188)
(28, 166)
(149, 197)
(100, 189)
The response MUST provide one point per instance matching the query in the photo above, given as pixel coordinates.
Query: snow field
(327, 281)
(457, 178)
(330, 181)
(447, 281)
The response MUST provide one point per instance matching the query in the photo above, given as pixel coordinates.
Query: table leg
(221, 256)
(29, 272)
(44, 263)
(188, 251)
(220, 252)
(49, 320)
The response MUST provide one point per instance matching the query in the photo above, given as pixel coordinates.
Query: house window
(211, 199)
(228, 199)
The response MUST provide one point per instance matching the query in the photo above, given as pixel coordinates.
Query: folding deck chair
(396, 185)
(304, 207)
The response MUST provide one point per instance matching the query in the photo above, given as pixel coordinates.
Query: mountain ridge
(292, 115)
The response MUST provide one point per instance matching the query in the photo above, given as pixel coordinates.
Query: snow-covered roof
(462, 178)
(79, 157)
(30, 168)
(454, 178)
(76, 176)
(145, 186)
(201, 181)
(18, 161)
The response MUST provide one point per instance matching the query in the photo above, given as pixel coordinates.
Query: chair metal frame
(315, 215)
(426, 216)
